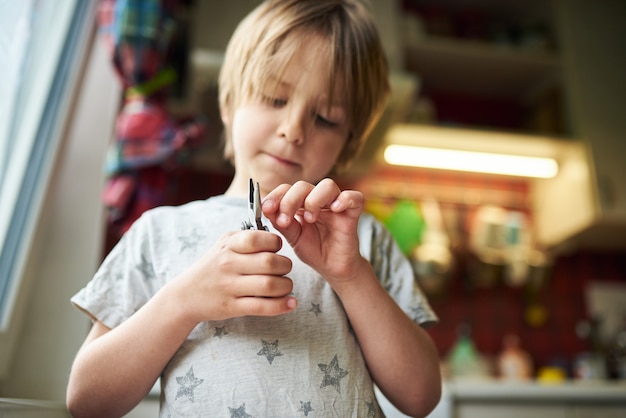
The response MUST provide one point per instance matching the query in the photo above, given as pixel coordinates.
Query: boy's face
(290, 133)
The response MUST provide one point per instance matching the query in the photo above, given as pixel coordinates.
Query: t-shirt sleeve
(394, 271)
(125, 280)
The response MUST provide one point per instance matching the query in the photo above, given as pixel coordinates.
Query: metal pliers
(254, 209)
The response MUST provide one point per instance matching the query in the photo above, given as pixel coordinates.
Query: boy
(291, 322)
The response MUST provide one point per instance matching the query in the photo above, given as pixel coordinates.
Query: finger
(348, 199)
(265, 306)
(249, 259)
(267, 263)
(291, 202)
(271, 202)
(251, 241)
(319, 199)
(262, 286)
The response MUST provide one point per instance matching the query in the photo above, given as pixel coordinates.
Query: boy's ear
(225, 116)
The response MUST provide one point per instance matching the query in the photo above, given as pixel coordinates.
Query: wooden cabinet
(593, 193)
(564, 80)
(481, 68)
(485, 63)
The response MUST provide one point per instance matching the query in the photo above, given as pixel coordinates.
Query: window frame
(40, 125)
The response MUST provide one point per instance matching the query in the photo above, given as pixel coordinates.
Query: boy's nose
(293, 126)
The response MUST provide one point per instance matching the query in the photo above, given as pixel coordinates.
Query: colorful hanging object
(139, 35)
(149, 144)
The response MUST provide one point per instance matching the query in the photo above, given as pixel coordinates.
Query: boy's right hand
(240, 275)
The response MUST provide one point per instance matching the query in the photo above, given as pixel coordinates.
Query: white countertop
(497, 390)
(30, 408)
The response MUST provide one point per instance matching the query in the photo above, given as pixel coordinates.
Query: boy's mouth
(283, 161)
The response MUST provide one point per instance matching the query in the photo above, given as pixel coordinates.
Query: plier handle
(254, 209)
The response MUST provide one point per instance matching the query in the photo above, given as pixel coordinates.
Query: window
(39, 57)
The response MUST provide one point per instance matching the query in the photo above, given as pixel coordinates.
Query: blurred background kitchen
(523, 261)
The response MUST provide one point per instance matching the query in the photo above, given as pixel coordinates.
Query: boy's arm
(115, 369)
(320, 222)
(400, 355)
(240, 275)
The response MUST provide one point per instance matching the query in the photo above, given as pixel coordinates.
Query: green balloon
(406, 224)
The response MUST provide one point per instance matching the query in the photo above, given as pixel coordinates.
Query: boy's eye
(325, 122)
(274, 101)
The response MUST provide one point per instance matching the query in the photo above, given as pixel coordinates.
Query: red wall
(493, 312)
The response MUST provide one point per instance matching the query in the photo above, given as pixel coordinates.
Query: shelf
(480, 68)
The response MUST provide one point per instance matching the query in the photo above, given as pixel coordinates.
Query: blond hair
(265, 40)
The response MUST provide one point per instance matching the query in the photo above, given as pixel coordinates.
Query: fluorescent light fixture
(471, 161)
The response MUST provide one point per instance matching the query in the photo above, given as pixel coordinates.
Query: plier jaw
(254, 209)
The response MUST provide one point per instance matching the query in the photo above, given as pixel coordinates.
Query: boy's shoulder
(217, 203)
(208, 213)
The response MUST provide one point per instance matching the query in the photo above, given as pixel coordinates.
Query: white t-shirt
(303, 364)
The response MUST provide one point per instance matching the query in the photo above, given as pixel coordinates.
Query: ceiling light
(471, 161)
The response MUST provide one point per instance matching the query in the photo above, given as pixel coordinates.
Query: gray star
(145, 268)
(371, 409)
(190, 241)
(188, 384)
(305, 407)
(332, 374)
(239, 412)
(220, 332)
(269, 350)
(416, 313)
(315, 308)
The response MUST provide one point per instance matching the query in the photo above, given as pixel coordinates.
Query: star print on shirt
(332, 374)
(269, 350)
(220, 332)
(190, 241)
(239, 412)
(315, 308)
(305, 407)
(188, 384)
(145, 267)
(371, 409)
(416, 313)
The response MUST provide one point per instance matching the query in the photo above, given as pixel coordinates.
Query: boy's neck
(237, 188)
(234, 192)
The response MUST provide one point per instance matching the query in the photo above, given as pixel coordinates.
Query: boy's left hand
(320, 223)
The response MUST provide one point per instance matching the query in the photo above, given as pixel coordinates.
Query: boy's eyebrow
(278, 83)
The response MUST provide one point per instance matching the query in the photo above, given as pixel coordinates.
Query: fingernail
(308, 216)
(267, 203)
(283, 219)
(292, 303)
